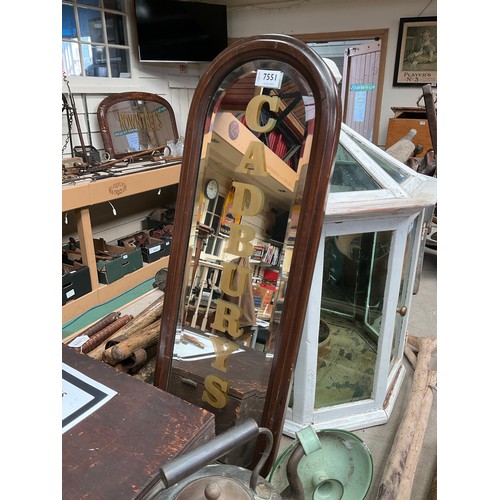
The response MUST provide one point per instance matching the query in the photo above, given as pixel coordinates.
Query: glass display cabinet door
(262, 133)
(410, 258)
(352, 326)
(353, 289)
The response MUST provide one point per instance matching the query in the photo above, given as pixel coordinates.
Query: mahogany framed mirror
(135, 122)
(261, 138)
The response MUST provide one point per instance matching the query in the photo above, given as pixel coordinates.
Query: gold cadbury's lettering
(249, 201)
(253, 112)
(228, 279)
(223, 349)
(240, 240)
(215, 393)
(254, 160)
(227, 318)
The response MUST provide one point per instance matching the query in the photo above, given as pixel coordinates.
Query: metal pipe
(102, 323)
(192, 461)
(105, 333)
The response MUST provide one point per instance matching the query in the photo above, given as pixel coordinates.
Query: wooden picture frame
(416, 53)
(135, 122)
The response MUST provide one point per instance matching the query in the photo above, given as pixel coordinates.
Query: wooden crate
(403, 121)
(247, 374)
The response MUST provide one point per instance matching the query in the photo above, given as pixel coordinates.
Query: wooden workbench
(116, 452)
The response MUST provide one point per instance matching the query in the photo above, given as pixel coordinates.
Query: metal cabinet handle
(188, 381)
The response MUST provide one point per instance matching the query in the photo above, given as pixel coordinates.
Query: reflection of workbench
(116, 451)
(247, 374)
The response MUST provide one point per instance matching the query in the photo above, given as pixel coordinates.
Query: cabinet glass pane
(354, 279)
(349, 175)
(398, 175)
(404, 290)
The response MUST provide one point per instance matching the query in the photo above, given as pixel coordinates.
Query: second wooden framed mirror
(135, 122)
(261, 140)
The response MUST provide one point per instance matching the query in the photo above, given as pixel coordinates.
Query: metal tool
(430, 109)
(69, 104)
(160, 280)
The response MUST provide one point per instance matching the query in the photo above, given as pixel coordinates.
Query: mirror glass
(132, 122)
(253, 163)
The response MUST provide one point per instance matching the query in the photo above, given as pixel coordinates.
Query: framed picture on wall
(416, 53)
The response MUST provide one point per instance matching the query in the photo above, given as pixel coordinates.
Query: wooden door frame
(382, 35)
(370, 47)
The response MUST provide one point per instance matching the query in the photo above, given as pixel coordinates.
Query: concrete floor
(379, 439)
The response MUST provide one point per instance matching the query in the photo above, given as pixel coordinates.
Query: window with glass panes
(212, 218)
(95, 42)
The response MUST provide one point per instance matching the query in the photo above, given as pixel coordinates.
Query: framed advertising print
(416, 53)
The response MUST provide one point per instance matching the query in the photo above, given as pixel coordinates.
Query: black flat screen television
(175, 31)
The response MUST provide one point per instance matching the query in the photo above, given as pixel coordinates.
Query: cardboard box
(155, 250)
(76, 282)
(126, 260)
(152, 251)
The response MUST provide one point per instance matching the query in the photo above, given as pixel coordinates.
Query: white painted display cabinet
(350, 365)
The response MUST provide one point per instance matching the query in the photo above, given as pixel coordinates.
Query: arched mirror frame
(120, 97)
(286, 49)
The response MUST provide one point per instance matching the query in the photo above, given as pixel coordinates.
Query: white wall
(162, 79)
(294, 18)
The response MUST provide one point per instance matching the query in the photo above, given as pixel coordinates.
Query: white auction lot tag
(269, 79)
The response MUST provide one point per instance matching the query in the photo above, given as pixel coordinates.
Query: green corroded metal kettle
(332, 464)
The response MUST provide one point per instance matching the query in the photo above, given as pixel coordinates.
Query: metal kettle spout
(294, 490)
